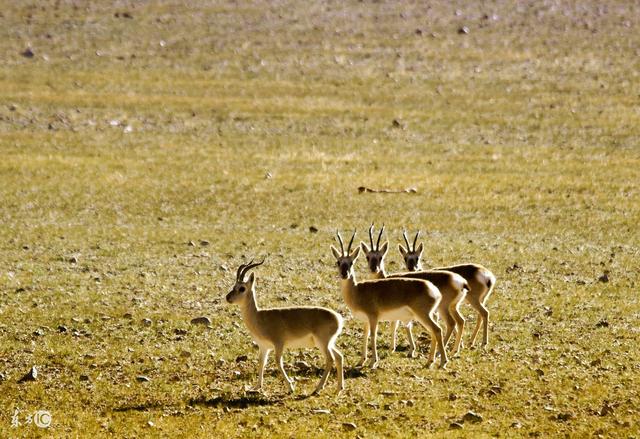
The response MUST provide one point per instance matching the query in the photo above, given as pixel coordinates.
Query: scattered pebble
(472, 417)
(84, 377)
(32, 375)
(313, 229)
(321, 411)
(463, 30)
(349, 426)
(456, 426)
(142, 379)
(201, 321)
(27, 53)
(146, 322)
(241, 358)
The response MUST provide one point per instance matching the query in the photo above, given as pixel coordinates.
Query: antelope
(379, 300)
(293, 327)
(452, 286)
(481, 282)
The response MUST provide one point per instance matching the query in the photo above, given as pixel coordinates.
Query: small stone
(73, 259)
(268, 176)
(185, 354)
(204, 242)
(602, 324)
(516, 425)
(201, 321)
(241, 358)
(38, 332)
(142, 379)
(313, 229)
(321, 411)
(127, 315)
(397, 123)
(32, 375)
(472, 417)
(606, 409)
(2, 377)
(564, 417)
(191, 244)
(452, 396)
(84, 377)
(463, 30)
(146, 322)
(349, 426)
(604, 278)
(302, 366)
(180, 331)
(456, 426)
(27, 53)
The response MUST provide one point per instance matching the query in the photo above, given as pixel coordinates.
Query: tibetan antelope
(280, 328)
(481, 282)
(379, 300)
(452, 286)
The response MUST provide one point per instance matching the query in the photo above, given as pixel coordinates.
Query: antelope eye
(242, 289)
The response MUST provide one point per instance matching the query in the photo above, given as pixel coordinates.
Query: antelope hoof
(361, 362)
(412, 354)
(373, 364)
(443, 365)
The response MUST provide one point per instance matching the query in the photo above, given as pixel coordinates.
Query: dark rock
(456, 426)
(472, 417)
(463, 30)
(142, 379)
(32, 375)
(241, 358)
(201, 321)
(27, 53)
(313, 229)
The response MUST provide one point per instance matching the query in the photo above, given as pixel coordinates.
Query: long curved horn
(340, 241)
(415, 240)
(351, 242)
(406, 240)
(371, 236)
(239, 273)
(379, 236)
(249, 266)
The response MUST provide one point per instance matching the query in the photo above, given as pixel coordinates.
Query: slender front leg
(279, 352)
(394, 340)
(412, 343)
(365, 345)
(373, 328)
(263, 355)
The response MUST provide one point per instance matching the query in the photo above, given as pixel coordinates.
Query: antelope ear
(336, 253)
(419, 249)
(252, 279)
(385, 248)
(354, 254)
(364, 247)
(403, 251)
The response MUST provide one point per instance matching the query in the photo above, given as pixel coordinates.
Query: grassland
(147, 148)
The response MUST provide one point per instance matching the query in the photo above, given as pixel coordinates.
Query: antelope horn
(415, 240)
(251, 265)
(239, 273)
(379, 236)
(340, 241)
(406, 240)
(351, 242)
(371, 236)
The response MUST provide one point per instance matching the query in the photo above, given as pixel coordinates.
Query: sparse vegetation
(150, 147)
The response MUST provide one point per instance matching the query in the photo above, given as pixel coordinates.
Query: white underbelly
(302, 342)
(403, 314)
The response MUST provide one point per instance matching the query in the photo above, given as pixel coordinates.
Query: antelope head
(375, 255)
(243, 288)
(411, 254)
(345, 259)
